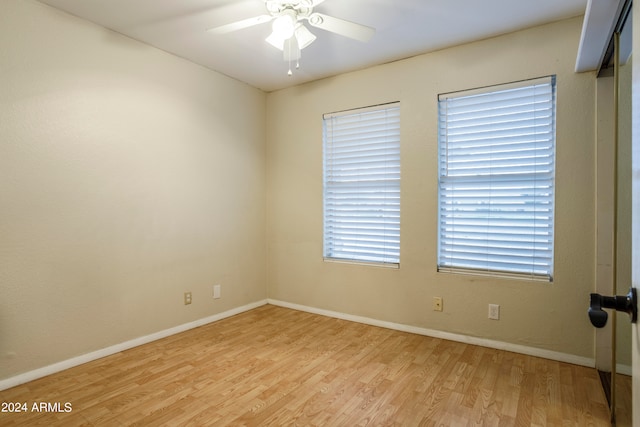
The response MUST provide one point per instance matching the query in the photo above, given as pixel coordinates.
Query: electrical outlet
(187, 298)
(216, 291)
(437, 303)
(494, 311)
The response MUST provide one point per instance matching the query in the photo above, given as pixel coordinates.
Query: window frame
(445, 215)
(371, 216)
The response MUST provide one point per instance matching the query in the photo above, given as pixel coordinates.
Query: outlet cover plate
(437, 303)
(494, 312)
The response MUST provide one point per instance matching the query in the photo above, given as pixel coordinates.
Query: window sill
(394, 266)
(496, 274)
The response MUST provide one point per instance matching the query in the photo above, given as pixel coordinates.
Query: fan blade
(239, 25)
(340, 26)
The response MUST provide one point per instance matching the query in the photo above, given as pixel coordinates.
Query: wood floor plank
(275, 366)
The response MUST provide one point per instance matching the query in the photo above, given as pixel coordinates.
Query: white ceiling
(404, 28)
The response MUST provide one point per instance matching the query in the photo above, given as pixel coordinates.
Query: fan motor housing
(302, 8)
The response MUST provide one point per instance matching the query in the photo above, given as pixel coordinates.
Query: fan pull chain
(289, 47)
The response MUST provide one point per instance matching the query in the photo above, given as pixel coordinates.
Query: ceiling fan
(288, 31)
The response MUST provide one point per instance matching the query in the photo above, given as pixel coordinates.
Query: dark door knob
(628, 304)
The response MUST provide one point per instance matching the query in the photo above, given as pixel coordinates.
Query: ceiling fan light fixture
(304, 36)
(275, 41)
(285, 25)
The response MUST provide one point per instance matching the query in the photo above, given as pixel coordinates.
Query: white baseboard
(98, 354)
(624, 369)
(499, 345)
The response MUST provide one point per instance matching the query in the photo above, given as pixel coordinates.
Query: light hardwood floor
(275, 366)
(624, 406)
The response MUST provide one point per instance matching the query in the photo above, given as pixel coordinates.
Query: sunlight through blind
(362, 184)
(496, 179)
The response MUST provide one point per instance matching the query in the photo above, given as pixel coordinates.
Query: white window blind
(496, 179)
(362, 184)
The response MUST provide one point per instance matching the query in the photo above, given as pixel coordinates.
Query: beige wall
(127, 177)
(550, 316)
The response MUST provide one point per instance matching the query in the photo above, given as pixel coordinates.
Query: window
(496, 179)
(361, 179)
